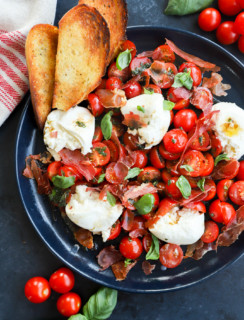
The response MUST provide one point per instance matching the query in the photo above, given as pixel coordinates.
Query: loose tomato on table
(175, 140)
(241, 3)
(95, 104)
(195, 72)
(239, 23)
(37, 290)
(115, 230)
(178, 97)
(69, 171)
(166, 154)
(114, 150)
(211, 232)
(98, 135)
(113, 71)
(208, 165)
(195, 159)
(186, 119)
(236, 193)
(226, 33)
(170, 255)
(223, 188)
(69, 304)
(132, 89)
(229, 7)
(139, 64)
(113, 83)
(130, 248)
(129, 45)
(240, 175)
(62, 280)
(221, 211)
(171, 188)
(164, 53)
(100, 154)
(53, 169)
(149, 174)
(156, 159)
(209, 19)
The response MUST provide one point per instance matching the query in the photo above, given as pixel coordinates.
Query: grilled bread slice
(115, 14)
(83, 48)
(40, 50)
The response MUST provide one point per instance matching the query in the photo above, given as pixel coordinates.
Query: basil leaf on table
(184, 7)
(101, 305)
(63, 182)
(183, 79)
(78, 316)
(168, 105)
(153, 253)
(123, 60)
(106, 125)
(221, 157)
(184, 186)
(145, 204)
(132, 173)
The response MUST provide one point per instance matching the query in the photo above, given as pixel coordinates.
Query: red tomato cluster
(38, 290)
(227, 32)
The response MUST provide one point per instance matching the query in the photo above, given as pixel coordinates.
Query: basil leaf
(132, 173)
(168, 105)
(111, 199)
(148, 91)
(101, 305)
(127, 262)
(220, 158)
(201, 184)
(145, 204)
(101, 178)
(78, 316)
(63, 182)
(123, 60)
(183, 7)
(59, 196)
(183, 79)
(153, 253)
(140, 108)
(184, 186)
(106, 125)
(80, 124)
(140, 69)
(187, 167)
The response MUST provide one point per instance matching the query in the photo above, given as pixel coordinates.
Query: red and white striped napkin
(17, 17)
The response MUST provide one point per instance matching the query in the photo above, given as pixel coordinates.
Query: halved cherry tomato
(168, 70)
(201, 97)
(165, 206)
(240, 175)
(195, 159)
(211, 232)
(156, 159)
(209, 165)
(171, 189)
(161, 189)
(154, 88)
(114, 151)
(222, 189)
(69, 304)
(37, 290)
(53, 169)
(129, 45)
(138, 223)
(170, 255)
(209, 19)
(226, 33)
(201, 143)
(113, 71)
(229, 7)
(175, 140)
(69, 171)
(110, 174)
(102, 85)
(149, 174)
(139, 64)
(95, 104)
(131, 141)
(166, 175)
(113, 83)
(62, 280)
(195, 72)
(212, 192)
(156, 201)
(215, 144)
(193, 181)
(132, 89)
(222, 212)
(141, 159)
(98, 135)
(172, 117)
(166, 154)
(147, 242)
(171, 167)
(100, 154)
(185, 119)
(163, 53)
(115, 230)
(198, 206)
(236, 193)
(174, 96)
(130, 248)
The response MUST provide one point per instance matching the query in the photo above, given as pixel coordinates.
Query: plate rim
(53, 250)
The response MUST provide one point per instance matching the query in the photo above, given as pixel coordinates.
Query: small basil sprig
(101, 178)
(148, 91)
(183, 79)
(221, 157)
(201, 184)
(184, 7)
(127, 262)
(63, 182)
(187, 167)
(153, 253)
(140, 108)
(111, 199)
(132, 173)
(123, 60)
(168, 105)
(106, 125)
(184, 186)
(145, 204)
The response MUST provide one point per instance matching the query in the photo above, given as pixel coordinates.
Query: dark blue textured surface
(24, 255)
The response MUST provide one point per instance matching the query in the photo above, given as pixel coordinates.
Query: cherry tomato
(241, 3)
(147, 242)
(236, 193)
(129, 45)
(177, 97)
(201, 143)
(226, 33)
(196, 160)
(113, 83)
(53, 169)
(164, 53)
(239, 23)
(113, 71)
(111, 176)
(171, 189)
(149, 174)
(156, 159)
(198, 206)
(209, 19)
(131, 141)
(171, 167)
(167, 71)
(222, 212)
(222, 189)
(37, 290)
(215, 144)
(130, 248)
(98, 135)
(171, 116)
(185, 119)
(229, 7)
(69, 304)
(138, 223)
(139, 64)
(102, 85)
(115, 230)
(132, 89)
(209, 165)
(175, 140)
(241, 44)
(154, 88)
(201, 97)
(69, 171)
(62, 280)
(95, 104)
(114, 150)
(211, 232)
(195, 72)
(100, 154)
(166, 154)
(170, 255)
(212, 192)
(240, 175)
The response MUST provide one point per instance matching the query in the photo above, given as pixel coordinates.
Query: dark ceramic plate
(56, 234)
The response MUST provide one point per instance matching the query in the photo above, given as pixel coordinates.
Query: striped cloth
(17, 17)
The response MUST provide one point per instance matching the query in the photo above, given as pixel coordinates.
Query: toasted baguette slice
(40, 50)
(115, 14)
(83, 48)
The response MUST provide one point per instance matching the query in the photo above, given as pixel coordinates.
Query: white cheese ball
(229, 127)
(72, 129)
(179, 226)
(86, 210)
(157, 119)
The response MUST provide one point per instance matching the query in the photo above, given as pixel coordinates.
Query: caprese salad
(139, 163)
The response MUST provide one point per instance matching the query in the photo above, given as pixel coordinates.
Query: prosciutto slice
(84, 237)
(108, 256)
(226, 169)
(137, 191)
(112, 98)
(120, 270)
(215, 85)
(147, 267)
(199, 249)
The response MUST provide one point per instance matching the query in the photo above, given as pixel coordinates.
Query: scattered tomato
(171, 189)
(37, 290)
(132, 89)
(174, 96)
(195, 72)
(175, 140)
(100, 154)
(239, 23)
(115, 230)
(209, 165)
(53, 169)
(229, 7)
(156, 159)
(240, 175)
(149, 174)
(114, 151)
(241, 44)
(222, 189)
(209, 19)
(62, 280)
(129, 45)
(113, 71)
(98, 135)
(154, 88)
(195, 159)
(95, 104)
(141, 159)
(69, 171)
(69, 304)
(226, 33)
(166, 154)
(147, 242)
(164, 53)
(113, 83)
